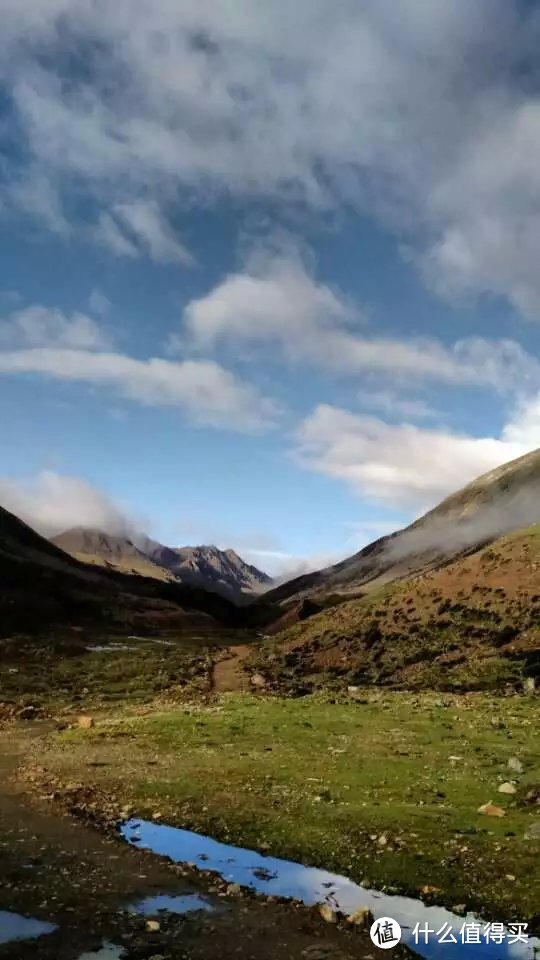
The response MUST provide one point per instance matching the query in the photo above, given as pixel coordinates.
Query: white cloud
(275, 299)
(51, 503)
(39, 326)
(389, 403)
(206, 391)
(136, 229)
(406, 465)
(108, 234)
(425, 113)
(145, 222)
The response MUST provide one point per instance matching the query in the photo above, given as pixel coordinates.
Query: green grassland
(384, 788)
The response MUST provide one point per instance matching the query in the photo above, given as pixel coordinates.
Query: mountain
(105, 550)
(452, 601)
(472, 624)
(221, 571)
(496, 503)
(42, 587)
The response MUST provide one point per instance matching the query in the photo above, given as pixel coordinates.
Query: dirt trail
(57, 869)
(227, 672)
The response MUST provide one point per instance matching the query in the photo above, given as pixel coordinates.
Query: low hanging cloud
(405, 465)
(276, 300)
(51, 503)
(185, 99)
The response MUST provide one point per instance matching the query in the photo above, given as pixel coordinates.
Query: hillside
(221, 571)
(496, 503)
(105, 550)
(42, 587)
(472, 624)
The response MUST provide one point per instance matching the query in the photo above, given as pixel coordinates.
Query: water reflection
(13, 926)
(186, 903)
(285, 878)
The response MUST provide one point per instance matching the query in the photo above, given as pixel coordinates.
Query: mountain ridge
(221, 571)
(498, 502)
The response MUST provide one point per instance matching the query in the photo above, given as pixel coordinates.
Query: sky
(269, 273)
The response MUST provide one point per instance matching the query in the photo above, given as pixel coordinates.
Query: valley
(381, 728)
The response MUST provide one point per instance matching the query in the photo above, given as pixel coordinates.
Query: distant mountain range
(221, 571)
(44, 588)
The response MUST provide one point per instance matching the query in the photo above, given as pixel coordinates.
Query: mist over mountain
(498, 502)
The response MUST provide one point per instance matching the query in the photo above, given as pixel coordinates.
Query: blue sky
(269, 274)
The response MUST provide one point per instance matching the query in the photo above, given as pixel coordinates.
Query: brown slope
(106, 550)
(472, 624)
(500, 501)
(42, 587)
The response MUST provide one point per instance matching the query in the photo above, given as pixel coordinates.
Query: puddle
(109, 951)
(160, 643)
(109, 648)
(13, 926)
(186, 903)
(284, 878)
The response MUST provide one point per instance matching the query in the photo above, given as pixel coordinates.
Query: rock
(327, 913)
(382, 840)
(515, 765)
(507, 787)
(258, 681)
(27, 713)
(490, 810)
(533, 831)
(85, 722)
(153, 926)
(460, 909)
(529, 685)
(362, 917)
(233, 889)
(427, 889)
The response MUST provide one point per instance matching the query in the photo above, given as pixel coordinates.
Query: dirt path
(227, 673)
(57, 869)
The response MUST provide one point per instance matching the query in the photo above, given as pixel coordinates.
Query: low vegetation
(472, 625)
(384, 788)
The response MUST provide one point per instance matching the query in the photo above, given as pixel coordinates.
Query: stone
(507, 787)
(234, 889)
(362, 917)
(490, 810)
(327, 913)
(85, 722)
(529, 685)
(27, 713)
(258, 681)
(515, 765)
(153, 926)
(533, 831)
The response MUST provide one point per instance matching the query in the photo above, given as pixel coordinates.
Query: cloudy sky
(269, 272)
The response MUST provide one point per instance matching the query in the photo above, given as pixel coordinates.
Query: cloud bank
(425, 114)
